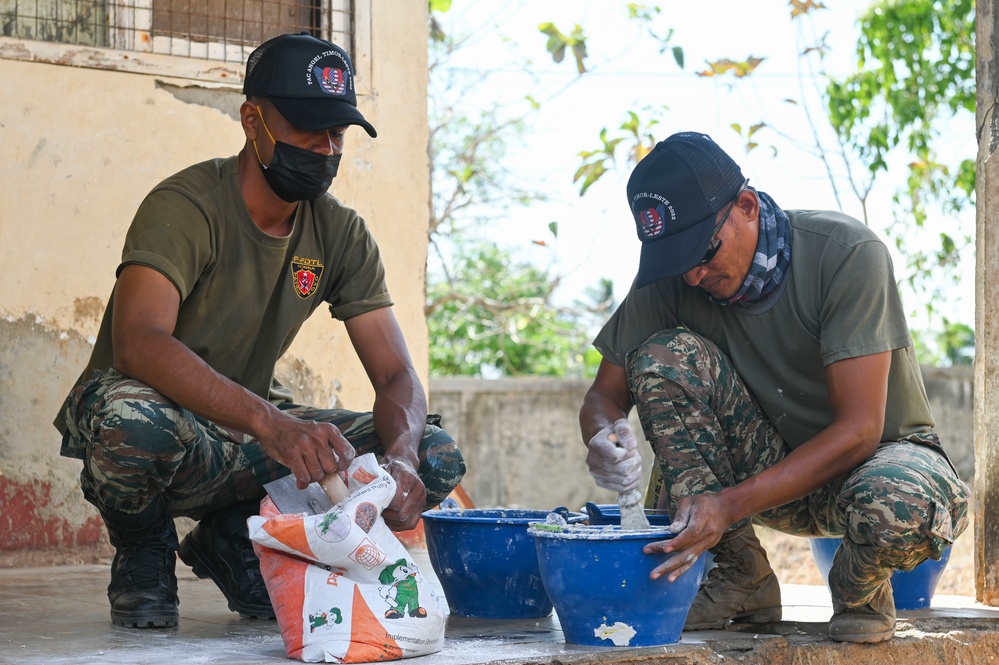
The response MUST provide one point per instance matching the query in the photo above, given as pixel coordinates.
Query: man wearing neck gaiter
(771, 365)
(179, 412)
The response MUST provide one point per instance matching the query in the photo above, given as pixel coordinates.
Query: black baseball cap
(309, 80)
(675, 193)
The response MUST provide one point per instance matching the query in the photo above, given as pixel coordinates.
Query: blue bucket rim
(519, 516)
(600, 532)
(614, 510)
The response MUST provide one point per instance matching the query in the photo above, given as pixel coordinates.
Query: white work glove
(613, 458)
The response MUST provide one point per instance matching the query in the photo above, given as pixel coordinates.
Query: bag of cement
(344, 589)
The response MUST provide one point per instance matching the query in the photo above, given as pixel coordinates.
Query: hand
(613, 458)
(406, 507)
(311, 449)
(700, 522)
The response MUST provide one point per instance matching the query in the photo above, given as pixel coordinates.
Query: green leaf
(579, 52)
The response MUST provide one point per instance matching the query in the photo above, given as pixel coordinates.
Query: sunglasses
(712, 250)
(716, 243)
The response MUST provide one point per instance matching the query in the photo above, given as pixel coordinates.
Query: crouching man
(178, 412)
(770, 361)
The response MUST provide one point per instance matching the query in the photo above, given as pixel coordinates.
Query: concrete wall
(84, 134)
(520, 437)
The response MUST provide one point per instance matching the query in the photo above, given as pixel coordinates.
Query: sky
(596, 235)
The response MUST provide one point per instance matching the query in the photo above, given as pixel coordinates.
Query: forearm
(835, 451)
(607, 400)
(164, 363)
(598, 411)
(400, 416)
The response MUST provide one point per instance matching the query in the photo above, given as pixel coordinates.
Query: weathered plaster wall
(951, 391)
(79, 148)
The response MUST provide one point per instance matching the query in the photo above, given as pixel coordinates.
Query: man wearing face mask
(178, 412)
(768, 356)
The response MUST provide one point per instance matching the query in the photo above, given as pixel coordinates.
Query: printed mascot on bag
(320, 619)
(401, 591)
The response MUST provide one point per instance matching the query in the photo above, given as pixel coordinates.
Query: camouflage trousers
(139, 445)
(903, 505)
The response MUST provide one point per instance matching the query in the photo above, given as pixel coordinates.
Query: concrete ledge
(59, 616)
(951, 641)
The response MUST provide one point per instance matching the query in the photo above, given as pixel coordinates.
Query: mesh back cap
(675, 193)
(309, 80)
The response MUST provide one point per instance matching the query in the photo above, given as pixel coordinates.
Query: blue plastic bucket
(913, 589)
(598, 580)
(487, 563)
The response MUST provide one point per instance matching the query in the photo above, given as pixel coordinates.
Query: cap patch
(652, 220)
(333, 80)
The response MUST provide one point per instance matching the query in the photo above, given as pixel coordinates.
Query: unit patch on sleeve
(307, 273)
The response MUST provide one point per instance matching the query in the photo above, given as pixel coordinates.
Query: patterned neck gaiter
(773, 255)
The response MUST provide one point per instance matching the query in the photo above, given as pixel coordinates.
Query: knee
(678, 356)
(898, 514)
(132, 425)
(441, 464)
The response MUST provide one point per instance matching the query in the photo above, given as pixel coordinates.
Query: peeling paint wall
(80, 146)
(39, 494)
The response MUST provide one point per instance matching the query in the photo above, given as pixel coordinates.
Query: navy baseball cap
(309, 80)
(675, 193)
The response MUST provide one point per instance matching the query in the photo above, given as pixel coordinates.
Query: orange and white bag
(343, 587)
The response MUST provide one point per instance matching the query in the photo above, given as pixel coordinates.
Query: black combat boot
(143, 588)
(220, 548)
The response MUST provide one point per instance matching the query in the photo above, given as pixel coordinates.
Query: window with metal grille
(225, 30)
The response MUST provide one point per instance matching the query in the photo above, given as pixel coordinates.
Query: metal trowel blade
(632, 512)
(289, 499)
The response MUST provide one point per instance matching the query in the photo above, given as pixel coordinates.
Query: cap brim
(674, 254)
(314, 114)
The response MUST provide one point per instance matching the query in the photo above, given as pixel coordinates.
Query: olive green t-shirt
(838, 300)
(245, 294)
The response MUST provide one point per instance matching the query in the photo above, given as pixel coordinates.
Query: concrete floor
(60, 615)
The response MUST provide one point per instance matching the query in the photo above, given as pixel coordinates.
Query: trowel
(315, 499)
(632, 511)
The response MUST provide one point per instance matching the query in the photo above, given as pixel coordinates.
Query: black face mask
(297, 174)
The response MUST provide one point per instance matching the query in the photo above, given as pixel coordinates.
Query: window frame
(120, 58)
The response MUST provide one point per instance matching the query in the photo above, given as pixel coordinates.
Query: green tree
(488, 313)
(915, 71)
(953, 344)
(495, 317)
